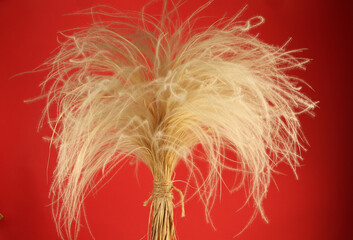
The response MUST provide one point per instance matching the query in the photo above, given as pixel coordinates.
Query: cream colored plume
(154, 89)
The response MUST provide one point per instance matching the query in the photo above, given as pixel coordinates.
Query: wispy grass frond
(137, 86)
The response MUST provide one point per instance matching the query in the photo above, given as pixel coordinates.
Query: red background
(318, 206)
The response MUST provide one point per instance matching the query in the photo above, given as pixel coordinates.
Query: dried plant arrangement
(154, 88)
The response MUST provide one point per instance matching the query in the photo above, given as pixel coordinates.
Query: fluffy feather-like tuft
(153, 90)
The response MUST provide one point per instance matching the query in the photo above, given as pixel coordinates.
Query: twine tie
(164, 190)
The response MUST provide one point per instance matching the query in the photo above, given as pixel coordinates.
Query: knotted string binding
(164, 190)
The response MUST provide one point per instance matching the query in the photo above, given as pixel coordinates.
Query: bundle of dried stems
(154, 88)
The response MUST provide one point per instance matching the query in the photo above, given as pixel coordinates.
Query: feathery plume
(154, 89)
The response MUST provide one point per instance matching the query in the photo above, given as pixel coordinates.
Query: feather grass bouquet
(153, 88)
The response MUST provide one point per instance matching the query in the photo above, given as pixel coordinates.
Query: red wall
(318, 206)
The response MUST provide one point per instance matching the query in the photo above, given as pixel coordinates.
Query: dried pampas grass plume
(155, 89)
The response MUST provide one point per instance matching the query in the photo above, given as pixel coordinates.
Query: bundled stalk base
(162, 219)
(162, 212)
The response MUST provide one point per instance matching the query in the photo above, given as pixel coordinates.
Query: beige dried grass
(155, 89)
